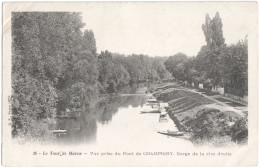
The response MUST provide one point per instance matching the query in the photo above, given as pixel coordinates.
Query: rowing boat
(59, 131)
(172, 133)
(150, 111)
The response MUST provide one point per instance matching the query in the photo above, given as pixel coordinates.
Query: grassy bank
(207, 121)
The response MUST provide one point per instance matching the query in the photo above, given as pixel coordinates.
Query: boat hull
(153, 111)
(59, 131)
(171, 133)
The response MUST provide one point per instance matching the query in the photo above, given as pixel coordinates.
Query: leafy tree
(45, 51)
(209, 55)
(175, 65)
(158, 66)
(213, 32)
(235, 68)
(89, 42)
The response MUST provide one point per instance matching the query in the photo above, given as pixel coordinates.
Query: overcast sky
(156, 28)
(161, 29)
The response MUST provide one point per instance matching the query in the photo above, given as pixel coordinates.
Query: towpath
(227, 106)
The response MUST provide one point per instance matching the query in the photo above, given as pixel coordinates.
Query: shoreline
(201, 115)
(177, 122)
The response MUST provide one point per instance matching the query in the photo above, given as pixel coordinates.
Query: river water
(116, 121)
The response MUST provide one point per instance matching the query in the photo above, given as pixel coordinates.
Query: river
(117, 120)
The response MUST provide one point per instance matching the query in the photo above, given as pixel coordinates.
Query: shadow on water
(83, 127)
(133, 89)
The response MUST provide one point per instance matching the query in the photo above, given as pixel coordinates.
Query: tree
(48, 64)
(235, 67)
(209, 56)
(213, 32)
(174, 64)
(89, 42)
(112, 73)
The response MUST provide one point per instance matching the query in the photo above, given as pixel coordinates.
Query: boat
(163, 119)
(150, 111)
(163, 112)
(164, 105)
(172, 133)
(152, 105)
(155, 106)
(153, 100)
(59, 131)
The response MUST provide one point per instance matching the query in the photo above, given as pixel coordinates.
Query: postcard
(130, 84)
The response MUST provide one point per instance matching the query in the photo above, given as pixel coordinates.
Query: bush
(240, 131)
(211, 123)
(40, 131)
(217, 141)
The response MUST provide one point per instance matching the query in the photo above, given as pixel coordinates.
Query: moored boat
(152, 105)
(150, 111)
(163, 112)
(153, 101)
(59, 131)
(172, 133)
(163, 119)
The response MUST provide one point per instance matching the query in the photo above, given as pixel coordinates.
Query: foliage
(32, 100)
(240, 130)
(118, 70)
(215, 64)
(112, 73)
(213, 32)
(50, 56)
(175, 65)
(39, 131)
(235, 66)
(89, 42)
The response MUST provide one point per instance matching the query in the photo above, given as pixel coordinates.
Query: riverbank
(203, 117)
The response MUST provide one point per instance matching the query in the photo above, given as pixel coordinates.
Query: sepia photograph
(130, 84)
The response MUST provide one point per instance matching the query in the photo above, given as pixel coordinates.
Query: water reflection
(83, 128)
(133, 89)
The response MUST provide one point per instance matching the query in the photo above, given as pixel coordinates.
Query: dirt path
(225, 106)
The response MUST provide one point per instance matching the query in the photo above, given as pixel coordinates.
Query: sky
(156, 28)
(161, 29)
